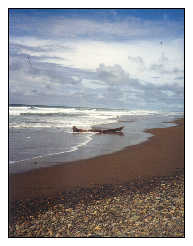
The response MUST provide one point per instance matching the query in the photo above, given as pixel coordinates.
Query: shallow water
(40, 137)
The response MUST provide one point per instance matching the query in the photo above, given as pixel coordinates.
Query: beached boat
(119, 129)
(111, 130)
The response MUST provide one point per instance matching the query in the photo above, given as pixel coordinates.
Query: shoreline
(160, 155)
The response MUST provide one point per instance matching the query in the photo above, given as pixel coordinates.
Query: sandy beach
(96, 122)
(161, 155)
(157, 165)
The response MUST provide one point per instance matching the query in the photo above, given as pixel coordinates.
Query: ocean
(41, 136)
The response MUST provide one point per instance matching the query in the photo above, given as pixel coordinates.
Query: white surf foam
(40, 117)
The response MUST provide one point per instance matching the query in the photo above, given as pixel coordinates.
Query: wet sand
(159, 156)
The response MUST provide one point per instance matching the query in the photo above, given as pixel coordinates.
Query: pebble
(151, 208)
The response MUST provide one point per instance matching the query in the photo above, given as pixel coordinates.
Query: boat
(111, 130)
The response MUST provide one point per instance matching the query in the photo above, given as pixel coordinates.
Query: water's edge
(50, 161)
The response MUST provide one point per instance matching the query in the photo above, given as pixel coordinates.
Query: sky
(105, 58)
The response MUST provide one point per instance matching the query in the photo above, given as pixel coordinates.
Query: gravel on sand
(151, 207)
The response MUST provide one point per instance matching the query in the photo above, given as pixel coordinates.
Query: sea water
(41, 136)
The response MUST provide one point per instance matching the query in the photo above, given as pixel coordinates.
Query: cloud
(134, 57)
(116, 62)
(111, 74)
(166, 71)
(137, 60)
(93, 84)
(107, 85)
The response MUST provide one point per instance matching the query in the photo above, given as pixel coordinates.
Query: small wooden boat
(112, 130)
(119, 129)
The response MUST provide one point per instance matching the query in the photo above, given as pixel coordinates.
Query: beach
(140, 186)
